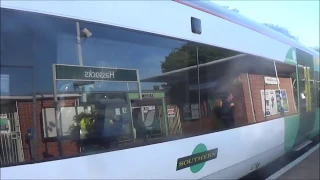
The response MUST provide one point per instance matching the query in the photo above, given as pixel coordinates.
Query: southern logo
(196, 161)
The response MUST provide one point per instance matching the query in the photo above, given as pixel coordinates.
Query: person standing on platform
(228, 111)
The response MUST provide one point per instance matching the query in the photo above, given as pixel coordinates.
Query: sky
(301, 18)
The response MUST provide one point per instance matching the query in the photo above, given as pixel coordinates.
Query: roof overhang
(225, 67)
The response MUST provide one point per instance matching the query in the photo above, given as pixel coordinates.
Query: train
(94, 64)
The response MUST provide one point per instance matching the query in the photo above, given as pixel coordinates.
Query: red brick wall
(25, 110)
(257, 84)
(208, 124)
(247, 101)
(205, 125)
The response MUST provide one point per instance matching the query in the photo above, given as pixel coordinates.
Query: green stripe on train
(315, 131)
(292, 122)
(316, 128)
(291, 125)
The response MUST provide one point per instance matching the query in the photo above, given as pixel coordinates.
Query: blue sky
(300, 17)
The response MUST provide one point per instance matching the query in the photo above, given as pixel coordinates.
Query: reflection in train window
(125, 88)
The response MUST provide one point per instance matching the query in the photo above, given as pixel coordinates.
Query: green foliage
(234, 10)
(87, 123)
(186, 56)
(282, 30)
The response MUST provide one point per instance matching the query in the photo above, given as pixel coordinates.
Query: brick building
(45, 147)
(248, 104)
(248, 109)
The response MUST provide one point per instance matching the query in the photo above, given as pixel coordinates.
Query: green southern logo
(196, 161)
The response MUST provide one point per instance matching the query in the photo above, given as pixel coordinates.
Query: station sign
(86, 73)
(148, 96)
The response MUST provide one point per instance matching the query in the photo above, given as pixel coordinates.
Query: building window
(5, 85)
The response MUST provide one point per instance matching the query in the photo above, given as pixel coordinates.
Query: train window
(125, 89)
(107, 88)
(221, 88)
(252, 90)
(286, 94)
(10, 34)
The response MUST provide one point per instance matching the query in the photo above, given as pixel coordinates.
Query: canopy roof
(226, 67)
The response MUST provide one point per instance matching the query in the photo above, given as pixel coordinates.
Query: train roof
(224, 13)
(227, 18)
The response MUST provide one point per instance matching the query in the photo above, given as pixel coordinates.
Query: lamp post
(80, 59)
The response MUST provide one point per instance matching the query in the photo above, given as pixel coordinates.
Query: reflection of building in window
(5, 84)
(178, 94)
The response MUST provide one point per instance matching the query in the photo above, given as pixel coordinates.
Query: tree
(316, 48)
(277, 28)
(282, 30)
(186, 56)
(234, 9)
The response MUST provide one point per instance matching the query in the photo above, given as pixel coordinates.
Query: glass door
(153, 119)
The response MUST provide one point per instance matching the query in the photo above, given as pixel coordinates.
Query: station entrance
(101, 118)
(153, 110)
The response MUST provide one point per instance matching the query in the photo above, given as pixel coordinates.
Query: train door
(307, 95)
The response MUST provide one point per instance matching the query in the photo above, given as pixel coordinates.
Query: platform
(304, 167)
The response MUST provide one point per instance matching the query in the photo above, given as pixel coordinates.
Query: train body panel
(160, 161)
(225, 154)
(241, 169)
(172, 24)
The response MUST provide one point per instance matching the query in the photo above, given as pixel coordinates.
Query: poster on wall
(284, 100)
(273, 104)
(171, 113)
(5, 123)
(278, 97)
(273, 100)
(266, 104)
(187, 116)
(195, 113)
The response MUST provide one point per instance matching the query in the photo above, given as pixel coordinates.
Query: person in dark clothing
(228, 111)
(139, 124)
(218, 113)
(217, 110)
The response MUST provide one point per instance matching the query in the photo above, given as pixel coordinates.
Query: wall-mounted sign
(85, 73)
(197, 160)
(271, 80)
(4, 123)
(148, 108)
(148, 96)
(195, 112)
(171, 113)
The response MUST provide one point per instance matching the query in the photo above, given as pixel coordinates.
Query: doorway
(15, 90)
(154, 117)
